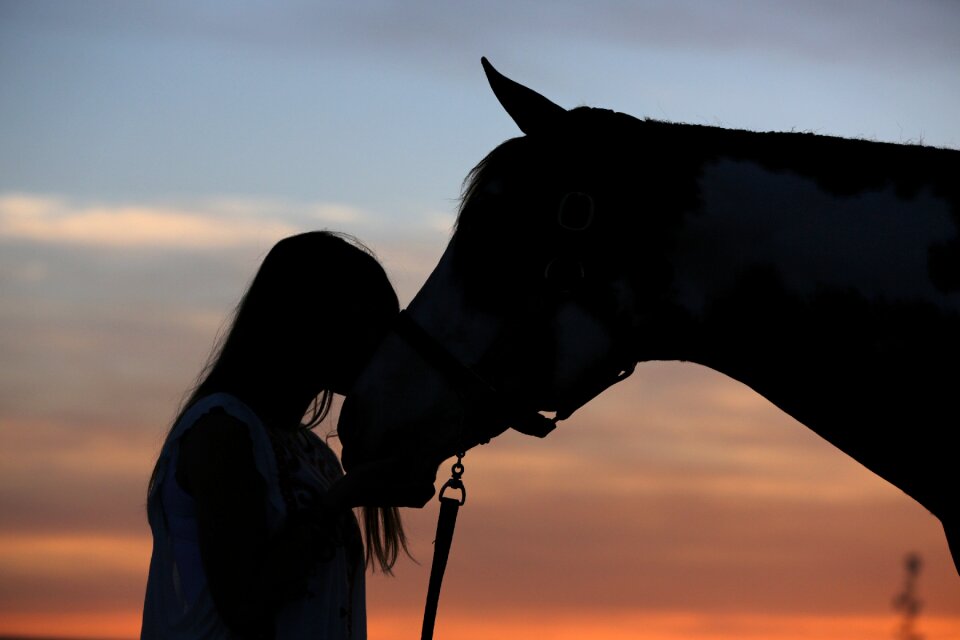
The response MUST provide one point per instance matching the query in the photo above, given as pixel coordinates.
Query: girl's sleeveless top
(296, 466)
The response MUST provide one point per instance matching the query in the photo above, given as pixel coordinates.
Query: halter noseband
(485, 397)
(468, 381)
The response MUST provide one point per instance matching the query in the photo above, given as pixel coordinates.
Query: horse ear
(530, 110)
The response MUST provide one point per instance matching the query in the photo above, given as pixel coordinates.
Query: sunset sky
(150, 154)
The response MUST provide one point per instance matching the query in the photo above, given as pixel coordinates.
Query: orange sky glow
(635, 520)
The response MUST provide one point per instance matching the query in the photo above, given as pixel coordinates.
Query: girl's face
(359, 327)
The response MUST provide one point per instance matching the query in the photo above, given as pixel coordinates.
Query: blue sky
(384, 104)
(151, 153)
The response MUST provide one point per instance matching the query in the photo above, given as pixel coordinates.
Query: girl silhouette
(253, 533)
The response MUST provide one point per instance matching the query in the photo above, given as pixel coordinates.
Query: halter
(478, 391)
(576, 214)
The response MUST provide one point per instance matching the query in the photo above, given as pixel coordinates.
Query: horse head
(822, 272)
(533, 307)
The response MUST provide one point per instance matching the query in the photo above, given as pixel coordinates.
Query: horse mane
(495, 162)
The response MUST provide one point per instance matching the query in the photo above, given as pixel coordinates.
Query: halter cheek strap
(476, 390)
(576, 214)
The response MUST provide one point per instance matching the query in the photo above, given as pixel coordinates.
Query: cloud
(53, 554)
(575, 623)
(691, 551)
(212, 223)
(40, 568)
(93, 481)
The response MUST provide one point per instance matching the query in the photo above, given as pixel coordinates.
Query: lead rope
(441, 544)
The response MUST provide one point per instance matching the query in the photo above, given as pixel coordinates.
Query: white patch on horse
(441, 308)
(874, 242)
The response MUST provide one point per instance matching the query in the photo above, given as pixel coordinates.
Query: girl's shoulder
(217, 445)
(217, 436)
(219, 403)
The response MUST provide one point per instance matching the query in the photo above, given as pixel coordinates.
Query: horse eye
(576, 211)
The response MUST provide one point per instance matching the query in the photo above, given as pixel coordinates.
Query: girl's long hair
(270, 301)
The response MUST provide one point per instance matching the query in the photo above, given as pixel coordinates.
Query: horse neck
(818, 291)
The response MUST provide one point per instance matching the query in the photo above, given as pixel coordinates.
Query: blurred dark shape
(907, 602)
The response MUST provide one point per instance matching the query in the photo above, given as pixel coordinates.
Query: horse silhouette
(822, 272)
